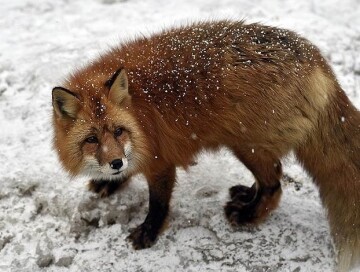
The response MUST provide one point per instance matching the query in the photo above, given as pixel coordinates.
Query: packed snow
(50, 222)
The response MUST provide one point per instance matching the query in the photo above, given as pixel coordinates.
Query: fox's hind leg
(105, 188)
(253, 204)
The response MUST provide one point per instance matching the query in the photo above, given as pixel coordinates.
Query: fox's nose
(116, 164)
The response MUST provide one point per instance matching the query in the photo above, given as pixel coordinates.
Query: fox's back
(193, 61)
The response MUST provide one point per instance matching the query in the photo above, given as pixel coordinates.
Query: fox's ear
(118, 85)
(65, 103)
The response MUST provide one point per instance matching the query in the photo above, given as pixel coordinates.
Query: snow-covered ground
(51, 223)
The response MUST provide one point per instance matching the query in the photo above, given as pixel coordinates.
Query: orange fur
(258, 90)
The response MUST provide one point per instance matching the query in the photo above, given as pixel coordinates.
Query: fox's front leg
(160, 188)
(105, 188)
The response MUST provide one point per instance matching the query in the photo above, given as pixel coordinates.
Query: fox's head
(96, 133)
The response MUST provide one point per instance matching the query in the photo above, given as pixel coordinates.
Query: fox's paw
(239, 212)
(242, 207)
(242, 193)
(250, 206)
(103, 188)
(142, 236)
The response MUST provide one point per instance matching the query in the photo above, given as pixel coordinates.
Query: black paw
(142, 236)
(242, 193)
(248, 205)
(104, 188)
(239, 213)
(242, 207)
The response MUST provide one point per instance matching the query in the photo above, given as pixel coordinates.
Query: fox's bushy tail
(332, 157)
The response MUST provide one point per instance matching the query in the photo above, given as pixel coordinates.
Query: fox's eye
(92, 140)
(118, 132)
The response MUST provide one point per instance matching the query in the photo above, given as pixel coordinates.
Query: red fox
(151, 104)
